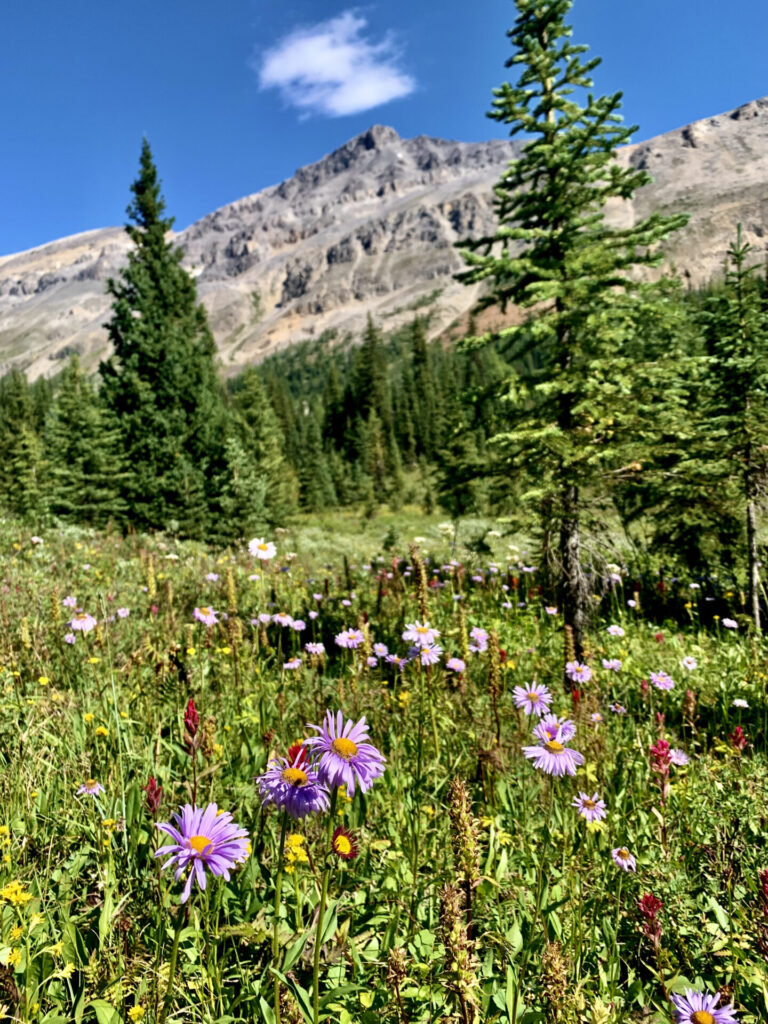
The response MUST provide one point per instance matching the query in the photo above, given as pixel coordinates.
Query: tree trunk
(754, 568)
(574, 597)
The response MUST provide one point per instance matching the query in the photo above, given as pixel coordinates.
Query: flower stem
(276, 925)
(172, 967)
(321, 913)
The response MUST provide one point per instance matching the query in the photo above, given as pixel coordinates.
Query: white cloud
(332, 68)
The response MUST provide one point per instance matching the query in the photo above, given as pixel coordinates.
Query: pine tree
(264, 442)
(83, 450)
(161, 382)
(736, 424)
(558, 259)
(317, 490)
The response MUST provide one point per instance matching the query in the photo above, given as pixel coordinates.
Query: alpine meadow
(382, 578)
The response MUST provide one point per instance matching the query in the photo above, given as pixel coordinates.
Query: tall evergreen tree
(264, 443)
(554, 255)
(736, 442)
(86, 469)
(161, 382)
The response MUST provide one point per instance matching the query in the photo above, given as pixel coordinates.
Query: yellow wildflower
(15, 893)
(16, 932)
(137, 1013)
(14, 957)
(88, 717)
(102, 730)
(93, 661)
(43, 680)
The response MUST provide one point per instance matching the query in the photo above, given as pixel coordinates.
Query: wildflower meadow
(277, 785)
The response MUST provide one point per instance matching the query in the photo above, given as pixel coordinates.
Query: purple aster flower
(678, 757)
(421, 634)
(350, 638)
(631, 603)
(397, 661)
(616, 631)
(428, 655)
(550, 610)
(314, 648)
(203, 839)
(294, 786)
(480, 640)
(618, 709)
(123, 613)
(205, 615)
(318, 597)
(730, 624)
(346, 602)
(380, 650)
(550, 725)
(690, 663)
(294, 663)
(533, 698)
(590, 807)
(577, 672)
(372, 662)
(596, 717)
(90, 788)
(662, 681)
(70, 601)
(701, 1008)
(612, 664)
(346, 756)
(83, 622)
(739, 703)
(456, 664)
(298, 625)
(69, 638)
(212, 577)
(313, 614)
(554, 758)
(282, 619)
(265, 618)
(623, 858)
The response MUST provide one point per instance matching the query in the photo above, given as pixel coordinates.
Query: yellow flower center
(532, 697)
(554, 746)
(205, 611)
(344, 748)
(343, 845)
(262, 547)
(91, 783)
(589, 804)
(295, 777)
(81, 615)
(422, 629)
(200, 843)
(623, 853)
(702, 1017)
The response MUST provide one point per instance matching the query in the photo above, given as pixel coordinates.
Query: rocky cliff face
(370, 228)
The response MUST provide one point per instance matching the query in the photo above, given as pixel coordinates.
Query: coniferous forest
(510, 771)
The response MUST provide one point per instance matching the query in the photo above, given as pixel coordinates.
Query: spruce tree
(82, 445)
(264, 443)
(735, 445)
(161, 382)
(554, 255)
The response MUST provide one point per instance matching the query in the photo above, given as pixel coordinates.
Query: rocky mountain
(371, 228)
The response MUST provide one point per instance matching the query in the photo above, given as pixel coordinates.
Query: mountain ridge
(371, 228)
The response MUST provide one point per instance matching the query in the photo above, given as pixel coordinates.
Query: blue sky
(234, 95)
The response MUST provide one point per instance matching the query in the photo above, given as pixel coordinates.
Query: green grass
(555, 933)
